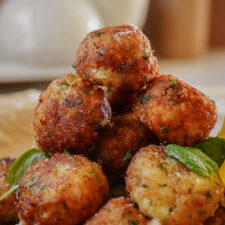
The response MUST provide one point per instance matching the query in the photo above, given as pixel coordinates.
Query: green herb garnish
(14, 218)
(193, 158)
(74, 65)
(144, 185)
(131, 222)
(70, 103)
(100, 53)
(162, 185)
(164, 129)
(43, 188)
(32, 178)
(145, 57)
(92, 171)
(214, 148)
(19, 168)
(66, 151)
(65, 83)
(98, 34)
(161, 166)
(79, 102)
(84, 91)
(173, 83)
(127, 154)
(144, 99)
(145, 54)
(34, 184)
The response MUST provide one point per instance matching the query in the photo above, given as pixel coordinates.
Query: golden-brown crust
(120, 142)
(62, 190)
(117, 57)
(8, 212)
(176, 112)
(165, 189)
(118, 211)
(69, 114)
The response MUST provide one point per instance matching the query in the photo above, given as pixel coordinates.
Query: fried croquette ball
(62, 190)
(69, 114)
(119, 57)
(120, 142)
(118, 211)
(8, 212)
(166, 189)
(176, 112)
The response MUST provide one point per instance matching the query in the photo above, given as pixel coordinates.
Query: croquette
(62, 190)
(70, 115)
(118, 211)
(166, 189)
(8, 212)
(176, 112)
(117, 57)
(120, 142)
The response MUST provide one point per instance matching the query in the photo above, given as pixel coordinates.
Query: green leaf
(127, 154)
(98, 34)
(74, 65)
(84, 91)
(145, 54)
(20, 166)
(10, 191)
(214, 148)
(131, 222)
(65, 83)
(164, 129)
(144, 99)
(193, 158)
(173, 83)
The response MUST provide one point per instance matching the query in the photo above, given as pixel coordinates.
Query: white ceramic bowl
(45, 31)
(38, 38)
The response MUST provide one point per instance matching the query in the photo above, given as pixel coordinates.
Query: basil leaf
(10, 191)
(214, 148)
(20, 166)
(193, 158)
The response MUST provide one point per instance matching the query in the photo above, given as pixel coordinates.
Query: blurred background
(38, 41)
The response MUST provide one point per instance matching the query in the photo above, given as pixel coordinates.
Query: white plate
(15, 72)
(39, 48)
